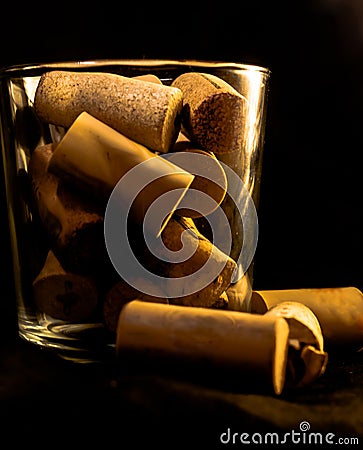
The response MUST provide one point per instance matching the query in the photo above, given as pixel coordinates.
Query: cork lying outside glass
(129, 180)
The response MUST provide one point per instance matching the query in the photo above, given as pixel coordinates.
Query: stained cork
(64, 295)
(73, 222)
(214, 113)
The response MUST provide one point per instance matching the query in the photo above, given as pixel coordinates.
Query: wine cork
(338, 310)
(147, 112)
(94, 157)
(214, 113)
(121, 293)
(201, 278)
(64, 295)
(239, 345)
(149, 77)
(209, 178)
(239, 294)
(73, 223)
(307, 357)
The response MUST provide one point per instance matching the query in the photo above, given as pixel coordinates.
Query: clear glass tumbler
(216, 109)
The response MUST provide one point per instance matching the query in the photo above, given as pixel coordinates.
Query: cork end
(280, 355)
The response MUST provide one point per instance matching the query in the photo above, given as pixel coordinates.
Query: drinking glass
(85, 337)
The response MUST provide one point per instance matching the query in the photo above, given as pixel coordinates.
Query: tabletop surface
(53, 400)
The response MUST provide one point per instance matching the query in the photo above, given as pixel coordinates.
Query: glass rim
(136, 62)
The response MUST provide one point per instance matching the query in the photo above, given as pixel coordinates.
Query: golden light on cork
(241, 345)
(94, 157)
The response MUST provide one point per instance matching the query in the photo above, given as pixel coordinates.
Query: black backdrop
(310, 212)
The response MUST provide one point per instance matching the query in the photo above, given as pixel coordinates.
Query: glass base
(77, 342)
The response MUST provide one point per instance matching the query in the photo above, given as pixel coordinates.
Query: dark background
(310, 213)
